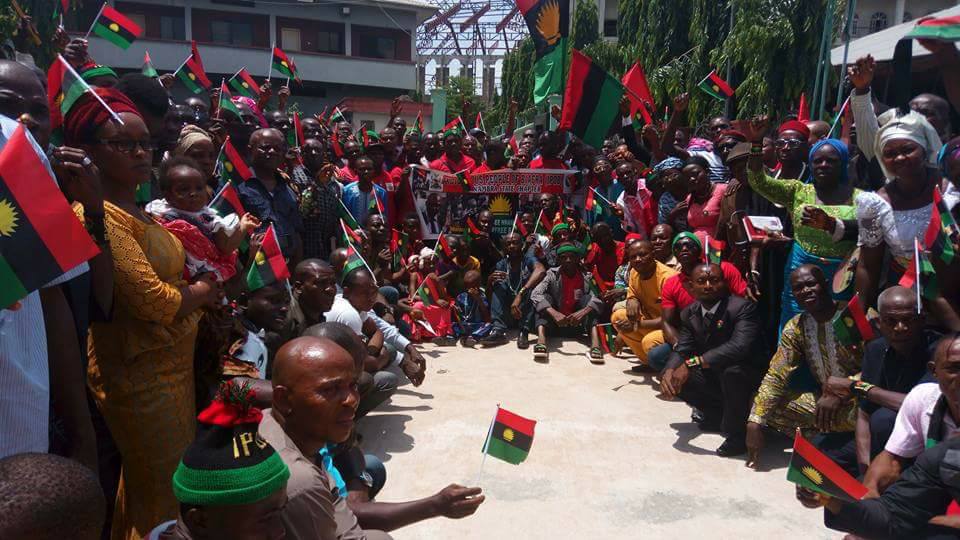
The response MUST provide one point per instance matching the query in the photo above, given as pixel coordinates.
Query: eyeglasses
(266, 148)
(128, 146)
(790, 144)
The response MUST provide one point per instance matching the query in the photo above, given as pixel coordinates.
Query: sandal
(596, 356)
(540, 352)
(523, 340)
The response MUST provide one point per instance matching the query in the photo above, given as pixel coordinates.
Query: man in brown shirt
(314, 401)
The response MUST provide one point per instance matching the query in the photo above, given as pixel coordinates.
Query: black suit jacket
(732, 339)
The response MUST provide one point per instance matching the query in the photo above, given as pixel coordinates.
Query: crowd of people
(200, 402)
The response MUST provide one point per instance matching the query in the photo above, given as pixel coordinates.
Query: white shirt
(909, 436)
(24, 367)
(704, 311)
(343, 311)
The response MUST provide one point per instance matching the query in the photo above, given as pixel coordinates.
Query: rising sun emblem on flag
(508, 434)
(548, 22)
(813, 475)
(8, 218)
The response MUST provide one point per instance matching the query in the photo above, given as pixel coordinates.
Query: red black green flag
(147, 69)
(463, 177)
(192, 75)
(244, 85)
(715, 86)
(429, 291)
(418, 124)
(354, 261)
(549, 25)
(942, 232)
(269, 266)
(851, 325)
(456, 125)
(297, 131)
(350, 236)
(590, 101)
(114, 27)
(597, 282)
(445, 246)
(544, 225)
(518, 226)
(607, 337)
(337, 116)
(346, 216)
(510, 437)
(40, 236)
(284, 65)
(64, 88)
(512, 147)
(399, 242)
(592, 205)
(232, 167)
(929, 287)
(227, 201)
(714, 252)
(225, 103)
(943, 28)
(812, 469)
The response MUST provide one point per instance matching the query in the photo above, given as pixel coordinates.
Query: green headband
(227, 487)
(568, 248)
(686, 234)
(99, 71)
(559, 227)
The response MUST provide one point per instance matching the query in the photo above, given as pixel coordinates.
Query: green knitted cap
(229, 463)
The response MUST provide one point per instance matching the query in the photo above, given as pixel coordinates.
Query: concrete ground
(610, 459)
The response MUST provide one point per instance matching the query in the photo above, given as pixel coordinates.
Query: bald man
(936, 110)
(269, 196)
(818, 130)
(315, 399)
(892, 365)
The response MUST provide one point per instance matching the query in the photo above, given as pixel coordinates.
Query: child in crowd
(429, 318)
(473, 311)
(452, 269)
(209, 240)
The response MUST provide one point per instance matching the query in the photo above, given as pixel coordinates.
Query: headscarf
(841, 149)
(88, 114)
(688, 235)
(253, 107)
(669, 163)
(189, 136)
(794, 125)
(91, 71)
(911, 126)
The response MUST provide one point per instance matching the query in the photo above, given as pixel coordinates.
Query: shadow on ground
(384, 434)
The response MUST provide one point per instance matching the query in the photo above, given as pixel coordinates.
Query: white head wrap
(189, 136)
(912, 126)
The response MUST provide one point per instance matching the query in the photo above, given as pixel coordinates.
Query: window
(907, 16)
(878, 21)
(610, 28)
(378, 47)
(232, 33)
(329, 42)
(290, 39)
(855, 27)
(172, 28)
(139, 19)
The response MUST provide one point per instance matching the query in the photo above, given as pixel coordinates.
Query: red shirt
(569, 287)
(448, 165)
(483, 168)
(606, 263)
(347, 175)
(675, 293)
(550, 163)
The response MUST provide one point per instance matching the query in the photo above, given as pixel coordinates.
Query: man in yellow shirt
(639, 324)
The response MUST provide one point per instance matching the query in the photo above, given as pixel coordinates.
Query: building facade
(874, 15)
(360, 48)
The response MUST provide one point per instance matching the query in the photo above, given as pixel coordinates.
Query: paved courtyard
(610, 459)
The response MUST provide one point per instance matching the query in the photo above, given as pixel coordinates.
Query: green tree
(586, 24)
(628, 23)
(460, 90)
(40, 11)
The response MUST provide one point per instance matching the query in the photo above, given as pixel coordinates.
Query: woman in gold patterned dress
(141, 362)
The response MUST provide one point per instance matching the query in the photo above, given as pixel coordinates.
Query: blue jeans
(500, 313)
(391, 294)
(658, 356)
(377, 471)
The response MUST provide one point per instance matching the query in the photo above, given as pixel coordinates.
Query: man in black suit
(716, 365)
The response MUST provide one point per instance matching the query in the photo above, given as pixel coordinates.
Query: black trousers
(725, 394)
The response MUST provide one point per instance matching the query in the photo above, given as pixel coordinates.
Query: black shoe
(523, 340)
(696, 415)
(641, 368)
(732, 447)
(711, 425)
(468, 341)
(495, 337)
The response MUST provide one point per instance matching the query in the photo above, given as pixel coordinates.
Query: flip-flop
(540, 352)
(595, 355)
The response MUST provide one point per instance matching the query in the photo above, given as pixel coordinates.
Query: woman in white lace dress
(891, 218)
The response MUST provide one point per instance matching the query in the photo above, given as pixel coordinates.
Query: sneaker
(444, 341)
(523, 340)
(495, 337)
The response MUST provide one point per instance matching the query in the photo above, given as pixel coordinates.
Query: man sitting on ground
(565, 304)
(639, 324)
(510, 284)
(791, 395)
(715, 366)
